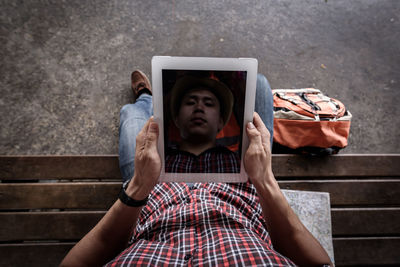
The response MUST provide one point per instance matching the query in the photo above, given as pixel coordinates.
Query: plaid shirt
(203, 224)
(218, 159)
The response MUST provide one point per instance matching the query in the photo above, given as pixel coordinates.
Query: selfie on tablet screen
(203, 118)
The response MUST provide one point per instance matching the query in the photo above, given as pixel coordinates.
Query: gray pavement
(66, 65)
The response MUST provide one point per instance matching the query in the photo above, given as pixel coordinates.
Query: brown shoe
(140, 82)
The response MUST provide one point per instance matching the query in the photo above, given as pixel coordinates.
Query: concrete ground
(66, 65)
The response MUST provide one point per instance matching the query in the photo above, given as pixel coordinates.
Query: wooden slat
(341, 165)
(366, 251)
(365, 221)
(47, 225)
(94, 195)
(348, 252)
(352, 192)
(73, 225)
(33, 255)
(98, 195)
(59, 167)
(105, 167)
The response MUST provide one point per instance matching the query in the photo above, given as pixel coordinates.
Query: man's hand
(257, 160)
(289, 236)
(110, 236)
(147, 162)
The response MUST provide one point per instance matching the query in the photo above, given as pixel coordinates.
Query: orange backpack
(307, 121)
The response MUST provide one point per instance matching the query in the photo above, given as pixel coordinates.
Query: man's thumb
(253, 133)
(251, 130)
(152, 133)
(153, 127)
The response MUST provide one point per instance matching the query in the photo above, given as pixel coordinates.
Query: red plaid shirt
(218, 159)
(204, 224)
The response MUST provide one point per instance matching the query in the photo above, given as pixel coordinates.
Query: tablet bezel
(159, 63)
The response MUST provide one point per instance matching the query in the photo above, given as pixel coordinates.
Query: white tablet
(202, 106)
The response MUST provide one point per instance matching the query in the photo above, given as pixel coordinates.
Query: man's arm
(111, 235)
(289, 236)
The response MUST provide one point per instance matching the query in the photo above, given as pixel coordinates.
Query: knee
(263, 89)
(125, 111)
(261, 78)
(262, 83)
(134, 112)
(130, 111)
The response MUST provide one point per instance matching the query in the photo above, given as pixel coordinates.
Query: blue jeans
(264, 104)
(134, 116)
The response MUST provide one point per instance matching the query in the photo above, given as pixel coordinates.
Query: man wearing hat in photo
(205, 224)
(200, 107)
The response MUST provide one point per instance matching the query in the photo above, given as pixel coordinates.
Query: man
(206, 224)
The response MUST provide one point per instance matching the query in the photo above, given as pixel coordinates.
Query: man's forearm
(112, 233)
(106, 239)
(289, 236)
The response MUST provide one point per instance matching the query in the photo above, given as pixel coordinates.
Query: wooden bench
(47, 203)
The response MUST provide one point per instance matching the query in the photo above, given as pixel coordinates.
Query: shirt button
(187, 257)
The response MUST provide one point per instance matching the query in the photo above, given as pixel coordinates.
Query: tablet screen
(202, 106)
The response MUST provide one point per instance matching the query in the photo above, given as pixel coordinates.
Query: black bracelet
(130, 201)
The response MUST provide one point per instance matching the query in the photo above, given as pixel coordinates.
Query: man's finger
(265, 135)
(152, 134)
(258, 122)
(253, 134)
(141, 137)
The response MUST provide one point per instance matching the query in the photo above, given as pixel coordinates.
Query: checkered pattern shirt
(218, 159)
(202, 224)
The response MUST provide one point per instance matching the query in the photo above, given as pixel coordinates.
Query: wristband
(130, 201)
